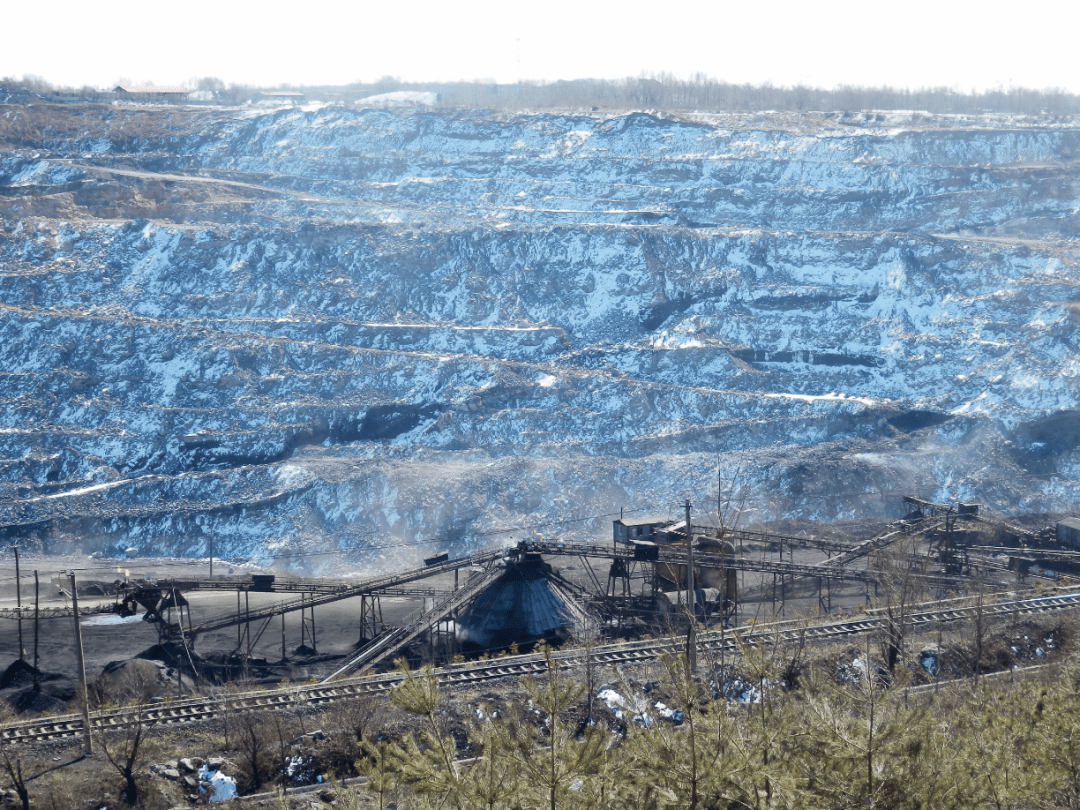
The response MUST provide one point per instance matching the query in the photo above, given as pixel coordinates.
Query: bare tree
(590, 673)
(279, 725)
(352, 722)
(135, 683)
(979, 622)
(901, 587)
(127, 751)
(254, 741)
(11, 760)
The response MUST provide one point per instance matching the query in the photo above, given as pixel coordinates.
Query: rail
(934, 613)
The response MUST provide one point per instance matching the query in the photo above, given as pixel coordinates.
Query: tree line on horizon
(661, 91)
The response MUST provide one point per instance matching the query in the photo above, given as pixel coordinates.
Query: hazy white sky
(914, 44)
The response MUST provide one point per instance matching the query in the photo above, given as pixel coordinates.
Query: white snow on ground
(618, 704)
(579, 352)
(110, 619)
(73, 493)
(222, 788)
(43, 172)
(831, 397)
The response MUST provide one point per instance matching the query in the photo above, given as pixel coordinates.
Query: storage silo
(519, 606)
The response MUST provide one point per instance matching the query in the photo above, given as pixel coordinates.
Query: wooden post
(37, 594)
(191, 627)
(691, 599)
(179, 664)
(283, 656)
(303, 622)
(88, 747)
(18, 601)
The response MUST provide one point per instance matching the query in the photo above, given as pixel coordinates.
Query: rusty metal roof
(647, 520)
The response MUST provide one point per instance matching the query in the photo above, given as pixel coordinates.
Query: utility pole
(691, 597)
(88, 747)
(37, 593)
(614, 543)
(18, 601)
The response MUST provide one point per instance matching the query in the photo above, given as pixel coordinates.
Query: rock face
(399, 332)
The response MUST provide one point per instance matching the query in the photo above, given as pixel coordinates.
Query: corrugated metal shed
(1068, 532)
(626, 530)
(518, 607)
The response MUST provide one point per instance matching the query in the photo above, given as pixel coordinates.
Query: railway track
(931, 614)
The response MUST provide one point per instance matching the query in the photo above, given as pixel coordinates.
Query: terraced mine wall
(373, 334)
